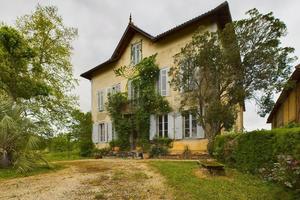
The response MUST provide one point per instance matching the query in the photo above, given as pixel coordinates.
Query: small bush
(99, 153)
(160, 147)
(157, 151)
(275, 154)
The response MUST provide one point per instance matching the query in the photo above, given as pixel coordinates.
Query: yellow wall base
(196, 146)
(178, 146)
(102, 145)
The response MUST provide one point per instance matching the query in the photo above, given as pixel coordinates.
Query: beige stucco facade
(165, 48)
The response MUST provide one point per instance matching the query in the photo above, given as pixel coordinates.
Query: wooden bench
(213, 167)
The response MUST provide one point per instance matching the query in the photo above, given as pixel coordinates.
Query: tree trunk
(212, 132)
(4, 160)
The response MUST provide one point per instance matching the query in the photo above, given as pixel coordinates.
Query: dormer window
(136, 53)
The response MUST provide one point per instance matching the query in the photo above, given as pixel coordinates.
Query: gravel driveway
(91, 179)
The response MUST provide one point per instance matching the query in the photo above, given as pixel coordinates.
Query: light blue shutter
(171, 131)
(137, 53)
(109, 131)
(132, 54)
(178, 126)
(200, 132)
(152, 127)
(167, 82)
(163, 81)
(101, 100)
(95, 133)
(98, 100)
(159, 83)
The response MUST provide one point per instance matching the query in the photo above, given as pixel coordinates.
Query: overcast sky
(101, 24)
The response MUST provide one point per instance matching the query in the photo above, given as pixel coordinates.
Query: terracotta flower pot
(116, 149)
(146, 155)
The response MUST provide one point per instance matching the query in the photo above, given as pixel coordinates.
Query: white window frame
(114, 89)
(136, 52)
(100, 100)
(163, 79)
(191, 133)
(102, 137)
(132, 92)
(164, 131)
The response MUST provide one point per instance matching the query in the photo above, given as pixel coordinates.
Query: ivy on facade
(131, 117)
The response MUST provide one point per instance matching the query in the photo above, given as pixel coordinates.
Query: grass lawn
(235, 185)
(58, 156)
(12, 173)
(50, 157)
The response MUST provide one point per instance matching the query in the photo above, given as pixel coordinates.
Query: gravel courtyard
(90, 179)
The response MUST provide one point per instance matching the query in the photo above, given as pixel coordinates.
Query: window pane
(186, 126)
(160, 126)
(164, 81)
(138, 49)
(165, 125)
(194, 126)
(136, 53)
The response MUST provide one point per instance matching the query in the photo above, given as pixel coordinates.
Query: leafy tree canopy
(266, 63)
(36, 81)
(50, 41)
(218, 71)
(18, 78)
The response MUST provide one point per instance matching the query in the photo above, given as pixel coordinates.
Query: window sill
(193, 138)
(102, 142)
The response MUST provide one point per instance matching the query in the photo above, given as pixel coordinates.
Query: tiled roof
(221, 13)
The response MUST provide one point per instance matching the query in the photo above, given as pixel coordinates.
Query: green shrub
(99, 153)
(159, 147)
(62, 143)
(257, 150)
(86, 148)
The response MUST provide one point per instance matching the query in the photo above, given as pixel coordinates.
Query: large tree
(218, 71)
(51, 42)
(36, 82)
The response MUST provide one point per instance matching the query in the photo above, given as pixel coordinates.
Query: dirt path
(90, 179)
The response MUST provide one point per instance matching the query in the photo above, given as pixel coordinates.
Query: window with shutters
(114, 89)
(163, 82)
(189, 125)
(189, 77)
(132, 91)
(100, 100)
(162, 125)
(101, 132)
(136, 53)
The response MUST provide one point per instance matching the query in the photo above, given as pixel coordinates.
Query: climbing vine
(131, 118)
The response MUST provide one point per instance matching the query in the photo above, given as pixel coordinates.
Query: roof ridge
(221, 12)
(225, 3)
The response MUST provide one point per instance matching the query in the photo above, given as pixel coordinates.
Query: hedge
(261, 151)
